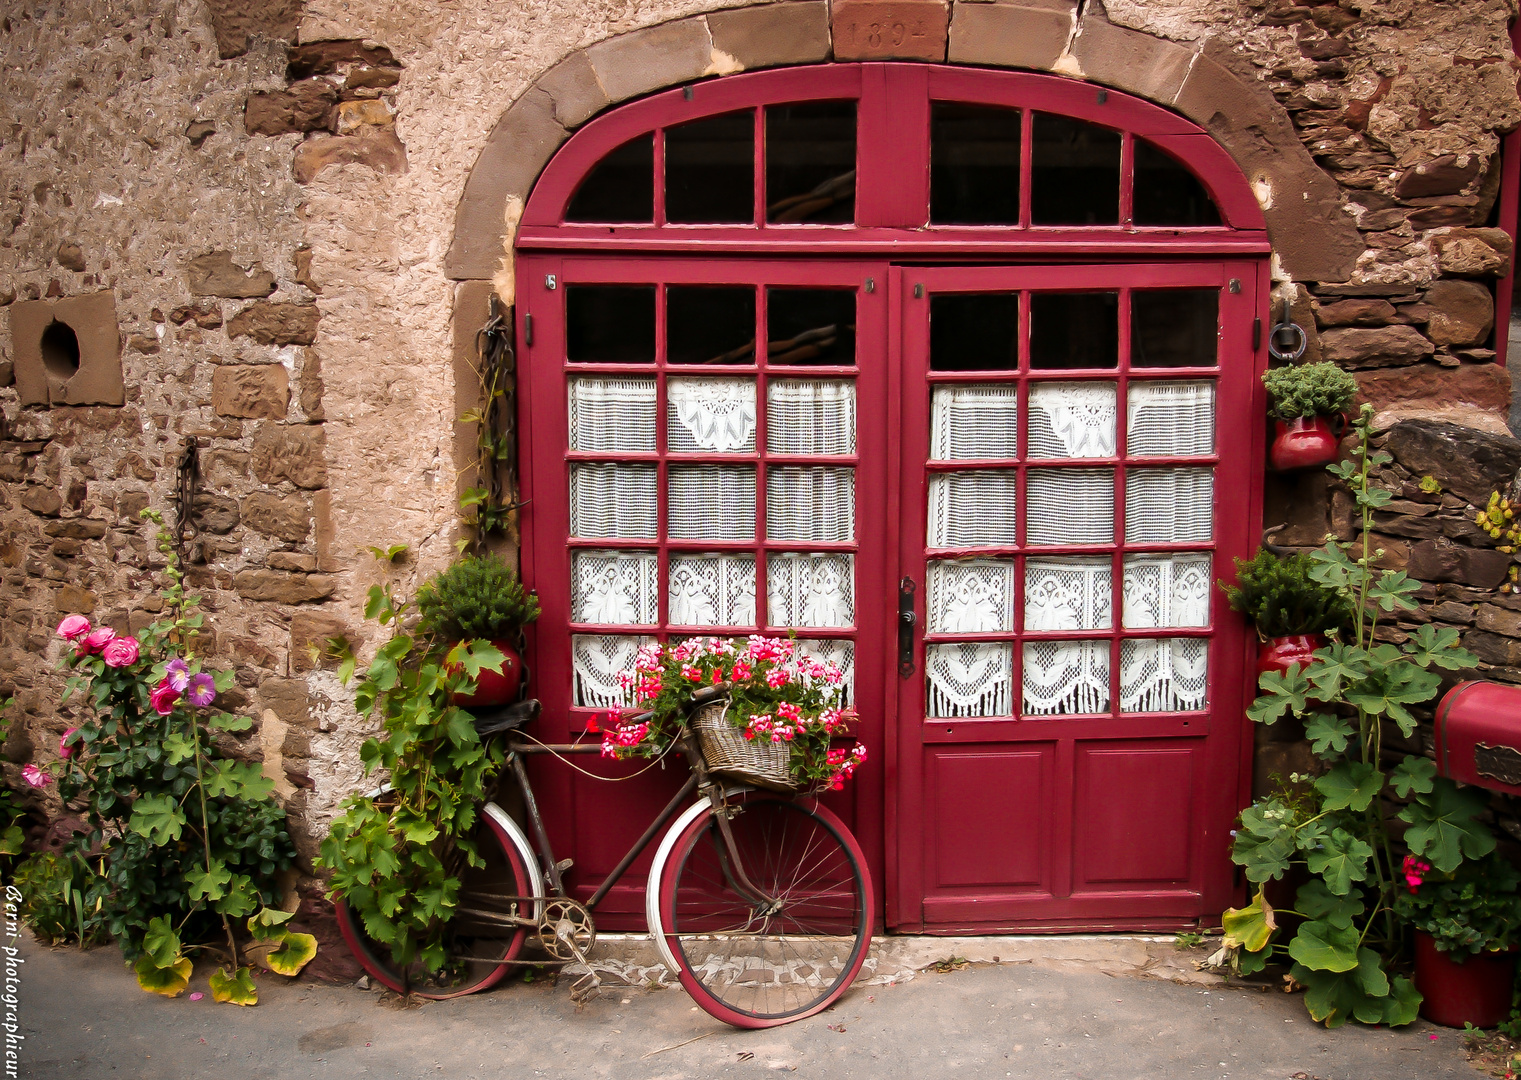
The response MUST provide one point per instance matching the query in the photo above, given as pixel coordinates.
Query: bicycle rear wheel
(756, 961)
(478, 939)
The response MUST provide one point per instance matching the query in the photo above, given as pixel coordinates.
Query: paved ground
(84, 1017)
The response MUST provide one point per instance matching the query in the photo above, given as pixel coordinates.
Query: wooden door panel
(1134, 816)
(1004, 796)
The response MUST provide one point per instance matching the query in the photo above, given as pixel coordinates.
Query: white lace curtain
(810, 590)
(1163, 675)
(969, 679)
(1165, 506)
(616, 502)
(973, 509)
(1166, 590)
(970, 596)
(711, 590)
(1171, 419)
(711, 502)
(612, 415)
(1065, 677)
(977, 422)
(1072, 420)
(595, 661)
(615, 588)
(1069, 506)
(712, 414)
(1068, 594)
(811, 416)
(811, 503)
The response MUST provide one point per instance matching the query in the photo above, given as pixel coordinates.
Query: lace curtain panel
(1166, 590)
(811, 416)
(713, 415)
(616, 502)
(1164, 675)
(969, 679)
(615, 588)
(612, 415)
(595, 661)
(974, 423)
(812, 504)
(1165, 506)
(1171, 419)
(712, 590)
(1072, 420)
(1065, 677)
(1068, 594)
(970, 596)
(810, 590)
(972, 509)
(711, 502)
(1069, 506)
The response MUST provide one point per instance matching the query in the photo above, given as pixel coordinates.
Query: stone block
(276, 324)
(890, 29)
(1493, 648)
(772, 35)
(287, 699)
(76, 528)
(310, 629)
(1463, 313)
(1429, 387)
(380, 150)
(326, 532)
(73, 600)
(215, 274)
(278, 587)
(1473, 252)
(653, 58)
(1496, 620)
(1468, 463)
(1009, 34)
(309, 386)
(515, 153)
(285, 517)
(1442, 560)
(235, 22)
(290, 452)
(1127, 60)
(1446, 175)
(306, 106)
(574, 93)
(217, 514)
(44, 501)
(70, 256)
(296, 561)
(1368, 311)
(254, 391)
(1384, 346)
(68, 351)
(1453, 612)
(358, 116)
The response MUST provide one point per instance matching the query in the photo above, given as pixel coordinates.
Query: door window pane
(1165, 675)
(1168, 419)
(1164, 506)
(970, 596)
(711, 590)
(620, 187)
(711, 502)
(1075, 172)
(974, 331)
(610, 324)
(1166, 590)
(596, 661)
(978, 422)
(1069, 594)
(710, 170)
(1066, 677)
(619, 588)
(1174, 327)
(710, 415)
(810, 590)
(1069, 506)
(811, 326)
(841, 654)
(973, 509)
(811, 163)
(974, 164)
(1072, 420)
(1166, 193)
(811, 504)
(613, 502)
(811, 416)
(1074, 330)
(969, 679)
(612, 415)
(710, 324)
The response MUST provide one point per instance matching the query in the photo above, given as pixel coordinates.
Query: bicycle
(759, 902)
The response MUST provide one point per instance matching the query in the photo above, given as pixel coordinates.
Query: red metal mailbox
(1478, 735)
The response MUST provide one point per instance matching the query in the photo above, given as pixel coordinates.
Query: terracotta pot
(493, 688)
(1306, 442)
(1281, 653)
(1476, 992)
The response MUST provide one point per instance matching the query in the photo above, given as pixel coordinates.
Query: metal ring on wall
(1292, 348)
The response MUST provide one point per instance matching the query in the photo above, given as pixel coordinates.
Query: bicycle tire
(479, 950)
(753, 968)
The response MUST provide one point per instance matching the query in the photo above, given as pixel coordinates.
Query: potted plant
(480, 598)
(1305, 399)
(1467, 932)
(774, 729)
(1291, 610)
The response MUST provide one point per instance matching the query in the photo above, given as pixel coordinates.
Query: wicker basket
(764, 764)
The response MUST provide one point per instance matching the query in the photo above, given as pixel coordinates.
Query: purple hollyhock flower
(177, 674)
(201, 690)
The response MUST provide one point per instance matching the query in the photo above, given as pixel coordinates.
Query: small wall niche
(67, 352)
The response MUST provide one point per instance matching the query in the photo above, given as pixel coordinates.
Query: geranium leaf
(238, 988)
(265, 926)
(1320, 946)
(169, 981)
(1341, 859)
(157, 817)
(294, 953)
(1250, 927)
(1350, 785)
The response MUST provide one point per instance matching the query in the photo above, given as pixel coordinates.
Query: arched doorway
(810, 349)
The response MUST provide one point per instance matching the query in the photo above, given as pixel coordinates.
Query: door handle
(906, 621)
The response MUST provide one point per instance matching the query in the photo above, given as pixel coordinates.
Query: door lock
(906, 621)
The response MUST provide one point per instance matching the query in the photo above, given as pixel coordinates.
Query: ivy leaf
(1318, 902)
(238, 988)
(1328, 734)
(1320, 946)
(12, 840)
(374, 601)
(161, 944)
(1350, 786)
(1250, 927)
(1414, 774)
(170, 980)
(209, 883)
(1341, 859)
(157, 817)
(1443, 826)
(1394, 589)
(1430, 645)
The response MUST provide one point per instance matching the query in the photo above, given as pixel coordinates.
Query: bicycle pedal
(564, 865)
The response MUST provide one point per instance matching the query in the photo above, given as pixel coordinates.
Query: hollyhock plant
(177, 674)
(778, 695)
(201, 690)
(120, 652)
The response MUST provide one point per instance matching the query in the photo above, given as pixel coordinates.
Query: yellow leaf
(169, 981)
(294, 953)
(1250, 927)
(237, 988)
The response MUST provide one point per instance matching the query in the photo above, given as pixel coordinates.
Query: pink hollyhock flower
(73, 627)
(177, 672)
(65, 748)
(201, 690)
(119, 652)
(35, 776)
(163, 698)
(96, 640)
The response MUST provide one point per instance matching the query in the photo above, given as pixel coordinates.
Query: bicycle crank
(566, 932)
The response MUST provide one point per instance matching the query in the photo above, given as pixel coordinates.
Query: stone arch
(1312, 236)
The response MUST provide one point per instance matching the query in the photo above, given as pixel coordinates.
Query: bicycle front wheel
(479, 940)
(781, 932)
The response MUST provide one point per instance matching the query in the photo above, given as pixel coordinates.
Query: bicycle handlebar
(709, 693)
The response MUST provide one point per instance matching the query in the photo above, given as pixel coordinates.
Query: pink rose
(163, 698)
(65, 750)
(119, 652)
(73, 626)
(97, 639)
(35, 776)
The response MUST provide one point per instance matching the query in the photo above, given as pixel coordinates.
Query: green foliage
(54, 887)
(476, 597)
(396, 860)
(1475, 908)
(1282, 599)
(1309, 390)
(1352, 691)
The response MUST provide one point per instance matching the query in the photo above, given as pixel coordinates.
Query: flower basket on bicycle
(763, 763)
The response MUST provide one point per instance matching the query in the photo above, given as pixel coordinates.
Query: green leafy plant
(192, 838)
(1475, 908)
(1301, 390)
(53, 888)
(394, 859)
(1352, 692)
(1282, 598)
(475, 597)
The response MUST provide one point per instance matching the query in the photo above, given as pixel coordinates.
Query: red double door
(998, 495)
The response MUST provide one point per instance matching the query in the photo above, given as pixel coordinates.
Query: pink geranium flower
(73, 627)
(119, 652)
(96, 640)
(36, 777)
(1415, 871)
(163, 698)
(66, 748)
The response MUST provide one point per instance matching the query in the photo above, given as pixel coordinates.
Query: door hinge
(1257, 333)
(527, 329)
(918, 292)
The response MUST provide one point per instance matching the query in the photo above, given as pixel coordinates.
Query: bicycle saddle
(505, 717)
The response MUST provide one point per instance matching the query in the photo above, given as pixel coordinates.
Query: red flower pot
(1306, 442)
(1476, 992)
(1281, 653)
(494, 688)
